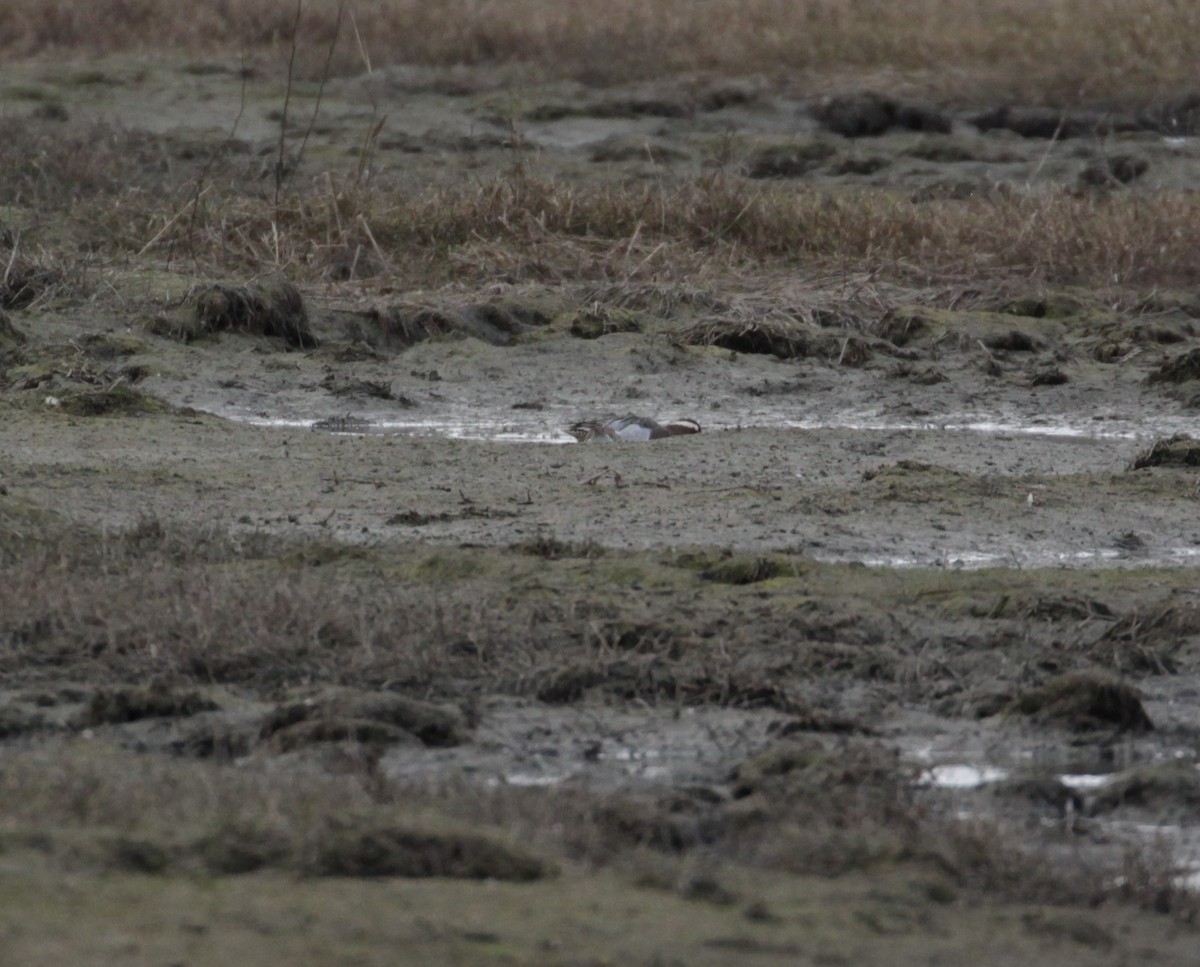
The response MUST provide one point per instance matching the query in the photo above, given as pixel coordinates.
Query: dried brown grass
(555, 231)
(125, 193)
(1058, 50)
(164, 605)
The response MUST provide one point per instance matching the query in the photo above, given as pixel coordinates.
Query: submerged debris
(342, 424)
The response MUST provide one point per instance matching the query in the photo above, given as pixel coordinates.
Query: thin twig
(287, 99)
(12, 259)
(337, 29)
(173, 220)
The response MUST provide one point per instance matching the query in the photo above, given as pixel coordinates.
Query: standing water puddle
(549, 425)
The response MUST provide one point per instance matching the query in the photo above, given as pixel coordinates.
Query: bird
(629, 429)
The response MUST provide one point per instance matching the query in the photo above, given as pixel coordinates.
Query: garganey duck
(629, 429)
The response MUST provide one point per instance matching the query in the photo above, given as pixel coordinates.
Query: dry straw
(1060, 50)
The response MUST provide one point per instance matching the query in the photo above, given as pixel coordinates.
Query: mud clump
(1042, 792)
(1119, 169)
(367, 717)
(133, 702)
(25, 282)
(818, 789)
(387, 849)
(594, 322)
(789, 160)
(244, 849)
(630, 821)
(1159, 640)
(768, 768)
(120, 399)
(553, 549)
(10, 336)
(618, 148)
(274, 308)
(397, 327)
(902, 326)
(1177, 369)
(15, 722)
(362, 731)
(211, 738)
(749, 570)
(869, 114)
(808, 771)
(1049, 376)
(778, 338)
(1164, 787)
(137, 854)
(648, 679)
(637, 106)
(1180, 450)
(1177, 117)
(1083, 703)
(1013, 341)
(1037, 122)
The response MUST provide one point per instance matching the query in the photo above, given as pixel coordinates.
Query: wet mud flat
(238, 652)
(318, 637)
